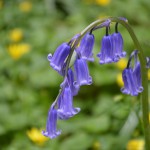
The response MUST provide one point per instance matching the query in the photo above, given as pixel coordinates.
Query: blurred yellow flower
(36, 136)
(122, 63)
(135, 144)
(16, 35)
(96, 146)
(17, 50)
(119, 80)
(1, 4)
(103, 2)
(25, 6)
(148, 74)
(98, 2)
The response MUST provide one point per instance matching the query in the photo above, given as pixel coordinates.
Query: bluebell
(65, 105)
(51, 126)
(111, 48)
(86, 47)
(57, 60)
(132, 76)
(129, 82)
(106, 54)
(81, 73)
(117, 43)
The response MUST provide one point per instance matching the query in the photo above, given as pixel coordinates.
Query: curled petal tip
(49, 57)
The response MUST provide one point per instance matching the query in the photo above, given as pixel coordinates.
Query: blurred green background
(29, 30)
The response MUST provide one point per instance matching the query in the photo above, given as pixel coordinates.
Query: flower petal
(51, 130)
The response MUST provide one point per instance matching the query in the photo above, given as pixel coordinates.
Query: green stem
(145, 104)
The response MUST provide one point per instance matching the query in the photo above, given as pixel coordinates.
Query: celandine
(77, 74)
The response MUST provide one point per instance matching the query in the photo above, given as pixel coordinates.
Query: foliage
(30, 29)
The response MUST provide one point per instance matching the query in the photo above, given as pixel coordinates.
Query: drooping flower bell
(117, 42)
(132, 77)
(106, 54)
(106, 50)
(81, 73)
(65, 104)
(69, 80)
(51, 129)
(111, 47)
(86, 47)
(57, 60)
(129, 82)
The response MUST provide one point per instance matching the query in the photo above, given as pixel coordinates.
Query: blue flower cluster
(111, 48)
(78, 75)
(132, 77)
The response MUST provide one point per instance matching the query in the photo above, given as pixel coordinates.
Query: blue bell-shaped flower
(57, 60)
(51, 129)
(86, 47)
(117, 42)
(106, 54)
(81, 73)
(65, 105)
(132, 77)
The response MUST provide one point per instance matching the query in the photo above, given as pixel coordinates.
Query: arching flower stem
(145, 105)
